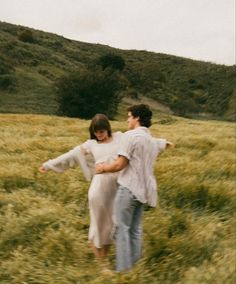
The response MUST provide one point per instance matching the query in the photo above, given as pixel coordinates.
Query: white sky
(197, 29)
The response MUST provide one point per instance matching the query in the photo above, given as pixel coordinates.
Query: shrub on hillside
(5, 68)
(183, 105)
(145, 77)
(7, 82)
(87, 92)
(26, 36)
(113, 61)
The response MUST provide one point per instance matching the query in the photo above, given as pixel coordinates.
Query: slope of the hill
(31, 61)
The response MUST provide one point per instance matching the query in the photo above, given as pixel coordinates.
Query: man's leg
(123, 211)
(136, 231)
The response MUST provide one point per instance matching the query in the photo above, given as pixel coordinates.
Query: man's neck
(137, 125)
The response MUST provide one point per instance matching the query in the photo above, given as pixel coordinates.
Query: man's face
(132, 121)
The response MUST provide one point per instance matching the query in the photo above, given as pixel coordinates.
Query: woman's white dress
(103, 187)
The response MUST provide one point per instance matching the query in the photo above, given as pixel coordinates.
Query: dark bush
(183, 105)
(113, 61)
(26, 36)
(5, 68)
(87, 92)
(7, 81)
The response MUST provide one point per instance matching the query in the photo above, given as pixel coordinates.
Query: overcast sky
(197, 29)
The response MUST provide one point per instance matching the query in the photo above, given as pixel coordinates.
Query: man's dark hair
(99, 122)
(143, 112)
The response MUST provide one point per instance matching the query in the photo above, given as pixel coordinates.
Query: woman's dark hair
(99, 122)
(143, 112)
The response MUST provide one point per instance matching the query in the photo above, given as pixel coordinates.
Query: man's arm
(119, 164)
(170, 144)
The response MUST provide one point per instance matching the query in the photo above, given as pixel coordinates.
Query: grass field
(188, 238)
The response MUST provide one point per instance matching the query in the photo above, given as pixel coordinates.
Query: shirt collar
(143, 128)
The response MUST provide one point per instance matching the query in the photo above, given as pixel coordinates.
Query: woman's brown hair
(99, 122)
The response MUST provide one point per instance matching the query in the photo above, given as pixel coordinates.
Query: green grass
(44, 219)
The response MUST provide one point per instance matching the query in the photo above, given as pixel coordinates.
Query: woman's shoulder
(89, 143)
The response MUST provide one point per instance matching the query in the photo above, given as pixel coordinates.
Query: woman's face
(101, 135)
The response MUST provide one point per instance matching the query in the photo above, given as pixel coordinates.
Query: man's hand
(99, 168)
(41, 169)
(119, 164)
(170, 144)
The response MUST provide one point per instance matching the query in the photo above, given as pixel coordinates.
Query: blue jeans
(128, 214)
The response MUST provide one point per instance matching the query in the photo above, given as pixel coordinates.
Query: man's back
(141, 149)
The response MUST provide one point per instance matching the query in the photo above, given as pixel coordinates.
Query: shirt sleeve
(126, 146)
(87, 146)
(161, 144)
(68, 160)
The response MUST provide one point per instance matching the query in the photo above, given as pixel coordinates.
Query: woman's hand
(41, 169)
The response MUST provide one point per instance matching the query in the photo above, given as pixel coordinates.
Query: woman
(103, 147)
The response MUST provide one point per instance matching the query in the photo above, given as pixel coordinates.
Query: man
(137, 183)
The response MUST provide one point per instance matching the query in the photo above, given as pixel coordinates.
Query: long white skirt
(101, 197)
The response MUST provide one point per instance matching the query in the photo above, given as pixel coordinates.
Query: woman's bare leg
(97, 251)
(105, 250)
(101, 256)
(102, 252)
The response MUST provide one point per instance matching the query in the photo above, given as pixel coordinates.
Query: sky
(197, 29)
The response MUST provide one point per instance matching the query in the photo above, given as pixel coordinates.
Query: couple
(122, 183)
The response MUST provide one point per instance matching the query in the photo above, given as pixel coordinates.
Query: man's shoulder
(139, 131)
(129, 132)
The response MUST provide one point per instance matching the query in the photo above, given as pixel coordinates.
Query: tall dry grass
(188, 238)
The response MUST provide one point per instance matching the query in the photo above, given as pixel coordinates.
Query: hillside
(188, 239)
(31, 61)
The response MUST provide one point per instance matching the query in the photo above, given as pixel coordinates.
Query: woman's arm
(73, 158)
(42, 170)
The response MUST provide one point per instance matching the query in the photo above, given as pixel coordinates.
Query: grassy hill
(31, 61)
(189, 238)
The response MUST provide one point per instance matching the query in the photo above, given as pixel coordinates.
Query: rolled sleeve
(161, 143)
(124, 154)
(126, 147)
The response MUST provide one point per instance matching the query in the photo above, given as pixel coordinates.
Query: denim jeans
(128, 214)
